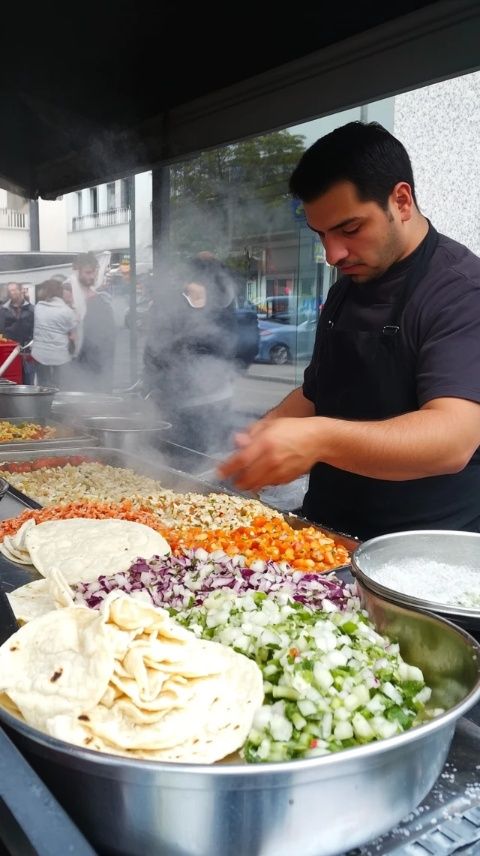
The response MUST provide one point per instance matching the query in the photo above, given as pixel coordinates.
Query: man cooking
(387, 420)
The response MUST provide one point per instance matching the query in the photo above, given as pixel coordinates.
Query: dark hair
(84, 260)
(366, 154)
(50, 288)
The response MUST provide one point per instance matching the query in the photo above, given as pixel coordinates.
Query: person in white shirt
(53, 335)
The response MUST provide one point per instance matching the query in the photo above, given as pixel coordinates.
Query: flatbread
(31, 601)
(14, 546)
(57, 664)
(129, 680)
(84, 549)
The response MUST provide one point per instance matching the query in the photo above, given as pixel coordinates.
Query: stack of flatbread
(80, 549)
(128, 680)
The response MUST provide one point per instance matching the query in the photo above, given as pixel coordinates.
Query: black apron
(369, 376)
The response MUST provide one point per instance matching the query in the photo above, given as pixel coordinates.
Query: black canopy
(90, 92)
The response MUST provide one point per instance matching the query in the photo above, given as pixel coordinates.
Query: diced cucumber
(323, 677)
(284, 692)
(362, 727)
(343, 731)
(306, 707)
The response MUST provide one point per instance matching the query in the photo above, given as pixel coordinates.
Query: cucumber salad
(331, 681)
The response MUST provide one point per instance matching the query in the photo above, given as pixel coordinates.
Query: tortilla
(14, 547)
(129, 680)
(84, 549)
(40, 664)
(31, 600)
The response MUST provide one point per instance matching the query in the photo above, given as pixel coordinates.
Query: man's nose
(335, 249)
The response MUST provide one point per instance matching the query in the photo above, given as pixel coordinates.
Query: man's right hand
(273, 451)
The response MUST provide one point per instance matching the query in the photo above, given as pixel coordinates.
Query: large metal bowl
(446, 547)
(315, 807)
(129, 434)
(72, 403)
(26, 402)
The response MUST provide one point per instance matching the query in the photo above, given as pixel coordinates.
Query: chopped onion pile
(186, 581)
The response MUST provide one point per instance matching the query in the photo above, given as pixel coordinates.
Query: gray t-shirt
(53, 321)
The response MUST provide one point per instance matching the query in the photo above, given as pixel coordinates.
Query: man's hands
(438, 439)
(272, 451)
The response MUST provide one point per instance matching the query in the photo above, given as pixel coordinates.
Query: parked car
(281, 343)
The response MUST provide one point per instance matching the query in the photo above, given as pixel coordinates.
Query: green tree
(227, 195)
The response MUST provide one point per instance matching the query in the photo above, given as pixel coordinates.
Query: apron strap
(414, 276)
(337, 302)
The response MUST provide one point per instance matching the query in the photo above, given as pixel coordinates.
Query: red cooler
(15, 370)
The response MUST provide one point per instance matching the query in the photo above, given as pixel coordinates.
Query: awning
(114, 88)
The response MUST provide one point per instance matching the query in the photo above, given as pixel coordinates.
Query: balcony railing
(10, 218)
(112, 217)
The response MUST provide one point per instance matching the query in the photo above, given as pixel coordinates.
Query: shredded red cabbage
(186, 581)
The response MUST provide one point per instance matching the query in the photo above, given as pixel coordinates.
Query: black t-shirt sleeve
(448, 363)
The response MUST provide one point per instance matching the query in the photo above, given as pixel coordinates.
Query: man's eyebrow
(337, 226)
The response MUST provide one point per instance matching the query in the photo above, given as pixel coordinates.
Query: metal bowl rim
(402, 598)
(92, 423)
(335, 759)
(25, 389)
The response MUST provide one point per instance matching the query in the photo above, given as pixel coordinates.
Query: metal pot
(122, 432)
(26, 402)
(446, 547)
(87, 404)
(315, 807)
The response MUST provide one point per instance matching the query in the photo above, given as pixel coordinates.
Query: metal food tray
(66, 437)
(16, 575)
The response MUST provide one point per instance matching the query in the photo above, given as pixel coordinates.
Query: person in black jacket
(16, 323)
(190, 352)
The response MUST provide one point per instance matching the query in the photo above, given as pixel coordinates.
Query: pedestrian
(53, 335)
(92, 369)
(387, 421)
(16, 323)
(190, 352)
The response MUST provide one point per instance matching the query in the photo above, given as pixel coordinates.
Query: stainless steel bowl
(447, 547)
(71, 403)
(316, 807)
(125, 433)
(26, 402)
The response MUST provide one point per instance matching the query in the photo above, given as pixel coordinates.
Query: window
(111, 196)
(79, 204)
(94, 200)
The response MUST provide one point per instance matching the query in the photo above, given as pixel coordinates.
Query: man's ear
(402, 200)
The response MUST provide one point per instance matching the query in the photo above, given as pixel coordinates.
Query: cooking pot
(314, 807)
(69, 403)
(126, 433)
(26, 402)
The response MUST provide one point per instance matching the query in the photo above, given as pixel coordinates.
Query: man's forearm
(415, 445)
(294, 404)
